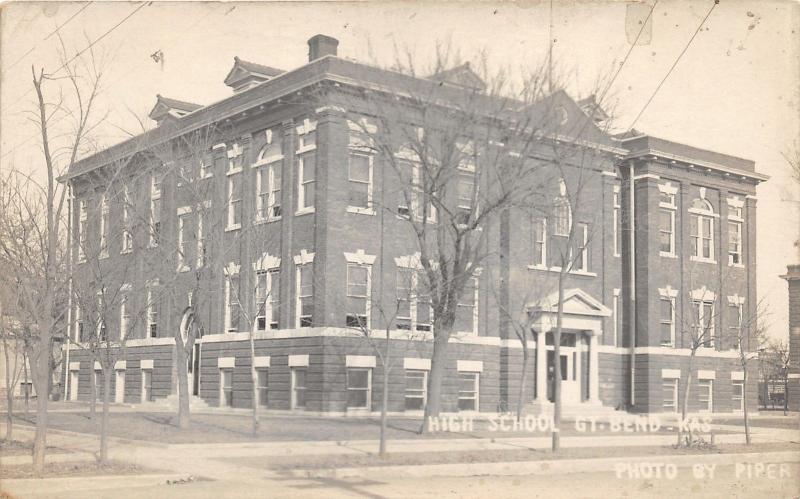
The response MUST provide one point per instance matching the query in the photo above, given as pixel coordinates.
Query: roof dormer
(460, 76)
(246, 74)
(170, 109)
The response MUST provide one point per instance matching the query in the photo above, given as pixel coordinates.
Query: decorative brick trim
(226, 362)
(298, 360)
(359, 361)
(415, 363)
(473, 366)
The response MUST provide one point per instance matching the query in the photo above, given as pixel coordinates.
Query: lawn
(284, 463)
(790, 422)
(52, 470)
(220, 428)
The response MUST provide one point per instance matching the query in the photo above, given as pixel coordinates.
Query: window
(704, 322)
(102, 331)
(205, 169)
(467, 308)
(262, 373)
(702, 230)
(124, 317)
(78, 324)
(359, 177)
(468, 391)
(358, 299)
(306, 165)
(104, 226)
(155, 210)
(667, 321)
(234, 197)
(268, 187)
(540, 243)
(738, 395)
(414, 312)
(666, 229)
(582, 259)
(235, 158)
(83, 223)
(147, 385)
(298, 388)
(359, 388)
(466, 196)
(182, 256)
(735, 324)
(98, 384)
(670, 394)
(617, 222)
(305, 295)
(306, 171)
(226, 387)
(414, 189)
(416, 389)
(562, 212)
(231, 299)
(735, 242)
(127, 236)
(268, 299)
(201, 242)
(152, 315)
(705, 395)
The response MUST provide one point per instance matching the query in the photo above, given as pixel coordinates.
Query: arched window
(562, 212)
(701, 216)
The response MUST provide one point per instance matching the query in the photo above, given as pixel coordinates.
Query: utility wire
(673, 65)
(131, 14)
(73, 16)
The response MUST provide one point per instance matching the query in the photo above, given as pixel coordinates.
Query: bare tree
(13, 352)
(461, 154)
(746, 333)
(779, 360)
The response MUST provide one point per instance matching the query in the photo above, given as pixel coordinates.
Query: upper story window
(105, 225)
(268, 285)
(414, 189)
(231, 273)
(539, 233)
(581, 261)
(234, 197)
(201, 241)
(562, 212)
(83, 225)
(735, 231)
(413, 297)
(667, 297)
(360, 165)
(701, 215)
(124, 315)
(666, 219)
(358, 295)
(304, 287)
(235, 155)
(151, 313)
(306, 158)
(183, 257)
(127, 235)
(268, 178)
(155, 210)
(704, 322)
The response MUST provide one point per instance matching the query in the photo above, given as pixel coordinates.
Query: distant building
(297, 177)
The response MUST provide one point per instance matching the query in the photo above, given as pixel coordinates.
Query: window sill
(736, 265)
(303, 149)
(667, 255)
(617, 255)
(304, 211)
(702, 260)
(233, 227)
(667, 345)
(558, 269)
(261, 221)
(126, 252)
(266, 161)
(360, 211)
(234, 171)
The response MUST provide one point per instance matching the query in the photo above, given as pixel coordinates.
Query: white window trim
(104, 225)
(271, 198)
(230, 270)
(543, 234)
(83, 227)
(369, 209)
(700, 382)
(126, 245)
(478, 374)
(615, 301)
(475, 312)
(200, 256)
(303, 258)
(675, 391)
(182, 260)
(368, 406)
(368, 297)
(155, 194)
(229, 216)
(672, 210)
(671, 298)
(233, 152)
(740, 224)
(301, 208)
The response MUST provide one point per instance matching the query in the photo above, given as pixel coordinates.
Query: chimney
(320, 46)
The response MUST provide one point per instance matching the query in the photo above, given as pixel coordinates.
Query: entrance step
(171, 401)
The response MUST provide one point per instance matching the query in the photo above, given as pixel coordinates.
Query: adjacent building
(289, 206)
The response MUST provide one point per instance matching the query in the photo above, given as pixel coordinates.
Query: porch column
(541, 367)
(594, 370)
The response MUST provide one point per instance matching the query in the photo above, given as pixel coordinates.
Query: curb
(556, 466)
(21, 486)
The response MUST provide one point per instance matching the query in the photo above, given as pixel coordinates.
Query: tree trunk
(385, 395)
(93, 395)
(523, 379)
(104, 420)
(744, 406)
(438, 359)
(786, 392)
(254, 375)
(27, 383)
(183, 384)
(40, 437)
(685, 403)
(556, 438)
(9, 384)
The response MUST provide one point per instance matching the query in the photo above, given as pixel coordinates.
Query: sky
(735, 90)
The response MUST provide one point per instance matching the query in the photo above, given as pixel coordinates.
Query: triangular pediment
(576, 302)
(245, 74)
(461, 76)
